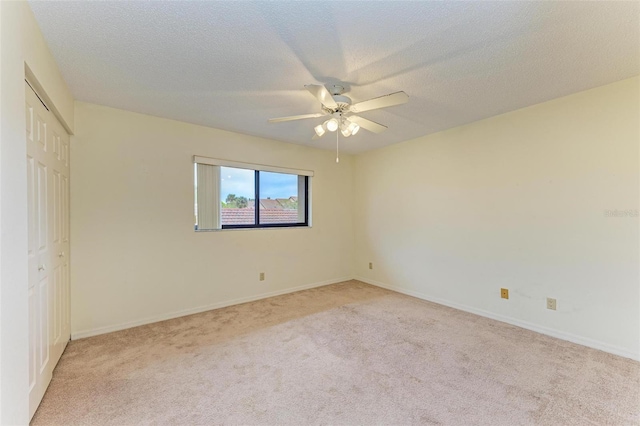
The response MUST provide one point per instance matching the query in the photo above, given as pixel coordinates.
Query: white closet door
(48, 252)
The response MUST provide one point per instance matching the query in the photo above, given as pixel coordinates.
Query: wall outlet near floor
(370, 265)
(261, 276)
(551, 303)
(504, 293)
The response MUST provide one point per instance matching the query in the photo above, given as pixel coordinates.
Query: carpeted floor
(348, 353)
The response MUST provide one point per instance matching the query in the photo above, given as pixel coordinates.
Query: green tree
(231, 198)
(242, 202)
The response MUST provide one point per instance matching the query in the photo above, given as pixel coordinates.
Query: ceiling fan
(342, 111)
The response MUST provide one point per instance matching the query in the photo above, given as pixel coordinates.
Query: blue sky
(273, 185)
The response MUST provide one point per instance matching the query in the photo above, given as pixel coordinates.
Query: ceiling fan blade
(296, 117)
(385, 101)
(369, 125)
(322, 94)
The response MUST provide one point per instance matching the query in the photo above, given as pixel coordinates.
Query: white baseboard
(584, 341)
(130, 324)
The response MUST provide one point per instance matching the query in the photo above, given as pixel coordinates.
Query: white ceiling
(233, 65)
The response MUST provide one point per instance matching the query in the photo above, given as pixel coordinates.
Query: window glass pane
(280, 198)
(237, 193)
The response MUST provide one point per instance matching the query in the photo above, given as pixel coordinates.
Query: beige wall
(515, 201)
(21, 43)
(135, 255)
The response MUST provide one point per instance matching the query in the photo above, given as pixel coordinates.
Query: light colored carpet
(348, 353)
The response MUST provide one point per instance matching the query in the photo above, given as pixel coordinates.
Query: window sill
(255, 229)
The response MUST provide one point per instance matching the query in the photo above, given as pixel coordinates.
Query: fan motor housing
(342, 100)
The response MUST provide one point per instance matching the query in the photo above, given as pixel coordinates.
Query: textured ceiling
(233, 65)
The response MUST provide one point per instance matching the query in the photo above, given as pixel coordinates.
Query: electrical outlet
(370, 265)
(551, 303)
(261, 276)
(504, 293)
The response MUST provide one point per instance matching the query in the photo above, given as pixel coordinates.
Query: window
(230, 194)
(237, 196)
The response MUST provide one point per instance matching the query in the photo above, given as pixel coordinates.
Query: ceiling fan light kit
(332, 125)
(348, 128)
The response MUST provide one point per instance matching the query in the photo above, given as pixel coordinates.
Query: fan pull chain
(337, 147)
